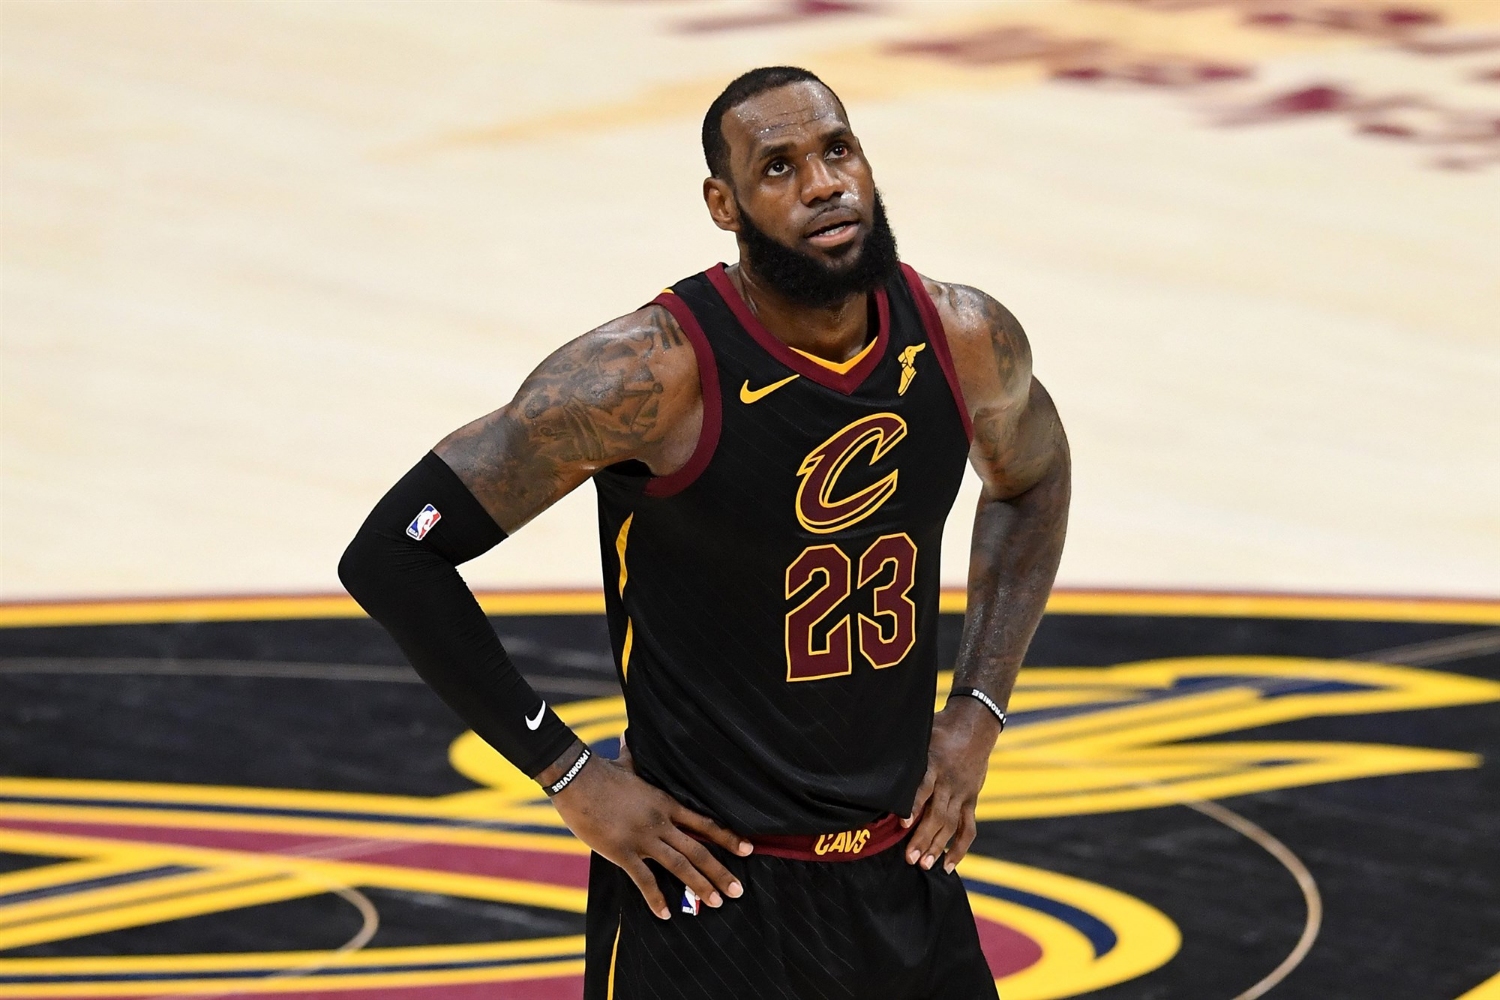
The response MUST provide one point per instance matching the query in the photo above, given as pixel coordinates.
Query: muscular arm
(628, 390)
(1021, 455)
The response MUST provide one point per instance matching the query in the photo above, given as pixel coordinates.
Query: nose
(820, 182)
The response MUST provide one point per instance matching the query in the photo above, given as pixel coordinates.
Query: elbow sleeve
(402, 569)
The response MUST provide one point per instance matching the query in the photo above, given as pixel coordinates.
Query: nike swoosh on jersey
(748, 395)
(531, 723)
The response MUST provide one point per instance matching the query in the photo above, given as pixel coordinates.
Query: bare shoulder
(1018, 438)
(990, 349)
(625, 390)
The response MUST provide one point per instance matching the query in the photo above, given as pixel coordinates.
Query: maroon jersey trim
(938, 338)
(846, 383)
(708, 378)
(850, 845)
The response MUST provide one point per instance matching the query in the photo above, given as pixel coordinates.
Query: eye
(777, 167)
(839, 149)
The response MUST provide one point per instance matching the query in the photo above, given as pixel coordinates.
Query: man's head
(788, 177)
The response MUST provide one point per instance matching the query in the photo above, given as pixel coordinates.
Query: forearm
(412, 587)
(1013, 560)
(1017, 544)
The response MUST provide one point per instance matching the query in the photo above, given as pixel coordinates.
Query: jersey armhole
(708, 380)
(938, 338)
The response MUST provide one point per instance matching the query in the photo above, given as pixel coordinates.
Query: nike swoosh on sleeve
(531, 723)
(748, 395)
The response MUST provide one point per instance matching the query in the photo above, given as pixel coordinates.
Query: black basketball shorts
(872, 929)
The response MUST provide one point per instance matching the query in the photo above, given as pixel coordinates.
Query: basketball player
(775, 447)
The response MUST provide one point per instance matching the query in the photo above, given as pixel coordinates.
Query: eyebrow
(786, 145)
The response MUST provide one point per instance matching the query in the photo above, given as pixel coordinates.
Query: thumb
(623, 758)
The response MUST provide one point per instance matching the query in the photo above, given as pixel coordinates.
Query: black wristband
(984, 700)
(569, 774)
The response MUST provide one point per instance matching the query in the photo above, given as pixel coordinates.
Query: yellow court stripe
(259, 608)
(270, 985)
(542, 602)
(131, 611)
(336, 872)
(1065, 951)
(1146, 938)
(113, 897)
(591, 602)
(347, 812)
(247, 890)
(1487, 990)
(1458, 611)
(64, 872)
(536, 949)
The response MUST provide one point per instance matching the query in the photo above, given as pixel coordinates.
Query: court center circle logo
(1082, 740)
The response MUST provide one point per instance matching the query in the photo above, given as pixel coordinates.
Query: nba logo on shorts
(690, 902)
(423, 522)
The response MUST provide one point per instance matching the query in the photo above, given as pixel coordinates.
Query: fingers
(731, 842)
(675, 862)
(938, 824)
(924, 792)
(646, 882)
(967, 829)
(700, 858)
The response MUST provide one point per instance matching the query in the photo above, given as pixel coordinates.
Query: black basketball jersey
(773, 605)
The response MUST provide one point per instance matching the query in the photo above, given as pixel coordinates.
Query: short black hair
(740, 90)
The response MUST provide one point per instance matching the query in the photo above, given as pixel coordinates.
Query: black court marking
(102, 882)
(1405, 864)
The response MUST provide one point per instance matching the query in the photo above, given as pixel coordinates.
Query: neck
(835, 333)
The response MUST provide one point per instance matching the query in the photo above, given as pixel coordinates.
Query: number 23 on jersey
(884, 638)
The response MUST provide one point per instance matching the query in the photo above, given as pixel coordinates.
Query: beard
(804, 279)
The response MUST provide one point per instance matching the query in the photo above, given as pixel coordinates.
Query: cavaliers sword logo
(908, 359)
(819, 508)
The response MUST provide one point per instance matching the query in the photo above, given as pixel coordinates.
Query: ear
(722, 207)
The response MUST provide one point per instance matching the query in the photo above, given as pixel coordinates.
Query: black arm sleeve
(401, 568)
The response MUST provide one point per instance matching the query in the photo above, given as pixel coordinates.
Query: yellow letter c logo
(817, 508)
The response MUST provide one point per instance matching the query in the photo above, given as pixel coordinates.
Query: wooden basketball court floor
(258, 257)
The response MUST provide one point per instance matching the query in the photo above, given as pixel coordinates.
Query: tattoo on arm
(1011, 445)
(1021, 455)
(1013, 559)
(619, 392)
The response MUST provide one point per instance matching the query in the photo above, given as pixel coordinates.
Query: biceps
(591, 404)
(515, 467)
(1017, 443)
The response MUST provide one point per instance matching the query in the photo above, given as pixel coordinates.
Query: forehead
(797, 111)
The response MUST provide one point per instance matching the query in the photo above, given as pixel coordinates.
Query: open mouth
(834, 233)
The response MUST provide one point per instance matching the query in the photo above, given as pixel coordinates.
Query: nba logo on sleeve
(423, 522)
(690, 902)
